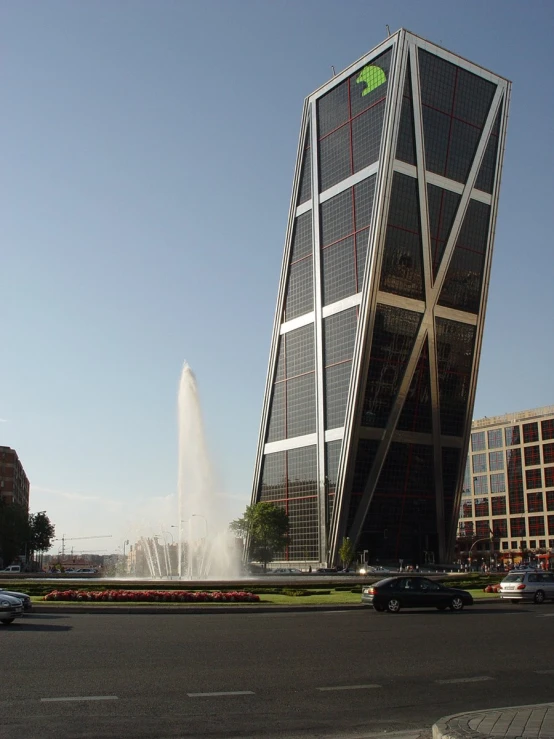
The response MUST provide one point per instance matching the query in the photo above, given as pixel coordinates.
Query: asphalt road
(267, 675)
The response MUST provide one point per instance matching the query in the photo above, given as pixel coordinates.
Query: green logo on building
(372, 77)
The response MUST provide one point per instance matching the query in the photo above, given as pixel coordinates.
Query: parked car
(285, 571)
(10, 609)
(23, 597)
(394, 593)
(325, 571)
(12, 568)
(527, 585)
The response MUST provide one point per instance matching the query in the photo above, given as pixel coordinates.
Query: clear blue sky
(147, 159)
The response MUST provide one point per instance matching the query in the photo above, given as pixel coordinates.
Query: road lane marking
(226, 692)
(479, 679)
(81, 698)
(351, 687)
(544, 672)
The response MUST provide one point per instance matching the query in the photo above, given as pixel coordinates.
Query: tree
(347, 552)
(41, 531)
(265, 528)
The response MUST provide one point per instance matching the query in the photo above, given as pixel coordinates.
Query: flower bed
(152, 596)
(492, 589)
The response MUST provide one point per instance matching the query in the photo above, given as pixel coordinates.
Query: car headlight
(4, 604)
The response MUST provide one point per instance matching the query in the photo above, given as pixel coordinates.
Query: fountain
(205, 548)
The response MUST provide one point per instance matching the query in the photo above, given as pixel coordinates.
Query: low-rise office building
(507, 505)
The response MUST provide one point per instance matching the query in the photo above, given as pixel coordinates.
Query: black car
(23, 597)
(395, 593)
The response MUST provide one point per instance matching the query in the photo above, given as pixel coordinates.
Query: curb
(207, 609)
(457, 726)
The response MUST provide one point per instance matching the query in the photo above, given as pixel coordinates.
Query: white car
(10, 609)
(527, 585)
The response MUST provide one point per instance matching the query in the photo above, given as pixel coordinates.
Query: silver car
(527, 585)
(10, 609)
(23, 597)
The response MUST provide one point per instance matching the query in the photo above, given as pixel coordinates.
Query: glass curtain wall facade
(507, 505)
(380, 310)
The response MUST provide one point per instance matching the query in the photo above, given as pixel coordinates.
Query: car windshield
(515, 577)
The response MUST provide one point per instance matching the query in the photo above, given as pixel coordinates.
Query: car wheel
(539, 597)
(456, 604)
(8, 621)
(393, 606)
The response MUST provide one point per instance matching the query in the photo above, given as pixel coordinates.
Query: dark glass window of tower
(481, 507)
(451, 458)
(462, 285)
(455, 104)
(466, 529)
(401, 271)
(495, 439)
(498, 483)
(482, 530)
(289, 479)
(551, 525)
(305, 187)
(548, 453)
(517, 527)
(549, 477)
(512, 435)
(345, 221)
(365, 454)
(496, 461)
(550, 500)
(401, 521)
(498, 506)
(485, 178)
(443, 206)
(530, 432)
(350, 121)
(532, 455)
(466, 509)
(547, 428)
(417, 411)
(339, 333)
(292, 411)
(299, 298)
(500, 528)
(478, 441)
(536, 526)
(455, 344)
(405, 148)
(332, 458)
(535, 503)
(393, 342)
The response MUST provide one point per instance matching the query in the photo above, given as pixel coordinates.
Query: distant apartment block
(14, 484)
(507, 504)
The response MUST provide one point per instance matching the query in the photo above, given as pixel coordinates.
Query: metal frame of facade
(404, 46)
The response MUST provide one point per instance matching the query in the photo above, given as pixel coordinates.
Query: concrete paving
(516, 722)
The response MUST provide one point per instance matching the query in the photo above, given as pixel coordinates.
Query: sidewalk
(515, 722)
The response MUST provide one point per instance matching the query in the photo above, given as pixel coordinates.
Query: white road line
(544, 672)
(479, 679)
(82, 698)
(351, 687)
(226, 692)
(545, 615)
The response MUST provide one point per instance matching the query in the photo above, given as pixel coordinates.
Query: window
(549, 477)
(550, 529)
(533, 478)
(547, 428)
(481, 507)
(532, 455)
(498, 506)
(495, 438)
(482, 530)
(466, 509)
(517, 527)
(479, 462)
(550, 500)
(530, 432)
(504, 545)
(535, 503)
(481, 485)
(500, 528)
(496, 461)
(548, 453)
(478, 441)
(512, 435)
(542, 543)
(498, 483)
(536, 527)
